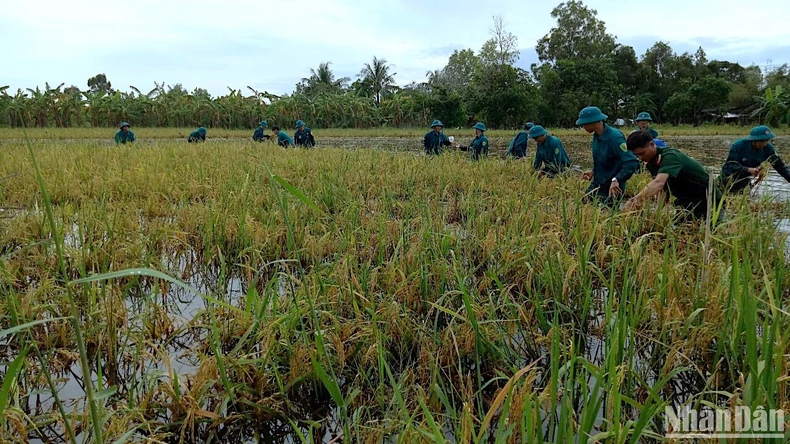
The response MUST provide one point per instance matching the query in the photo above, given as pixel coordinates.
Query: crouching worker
(258, 135)
(303, 135)
(550, 156)
(124, 135)
(519, 144)
(746, 156)
(479, 145)
(435, 139)
(673, 172)
(283, 139)
(198, 135)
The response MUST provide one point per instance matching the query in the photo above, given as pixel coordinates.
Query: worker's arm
(777, 163)
(653, 188)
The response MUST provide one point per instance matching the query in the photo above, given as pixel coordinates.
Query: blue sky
(271, 44)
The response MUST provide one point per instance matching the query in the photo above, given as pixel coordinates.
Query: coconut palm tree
(322, 80)
(378, 76)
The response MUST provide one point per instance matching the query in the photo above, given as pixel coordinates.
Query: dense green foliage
(581, 64)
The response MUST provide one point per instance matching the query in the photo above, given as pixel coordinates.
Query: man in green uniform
(435, 139)
(479, 145)
(197, 136)
(124, 134)
(643, 124)
(258, 135)
(303, 136)
(745, 157)
(283, 139)
(550, 156)
(674, 172)
(519, 144)
(613, 164)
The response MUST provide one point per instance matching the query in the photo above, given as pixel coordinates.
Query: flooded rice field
(365, 296)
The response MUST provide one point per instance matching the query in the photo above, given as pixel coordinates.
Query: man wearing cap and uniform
(479, 144)
(303, 136)
(519, 144)
(258, 135)
(435, 139)
(124, 134)
(643, 124)
(197, 136)
(550, 156)
(745, 157)
(674, 172)
(613, 164)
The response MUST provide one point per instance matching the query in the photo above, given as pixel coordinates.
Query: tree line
(580, 64)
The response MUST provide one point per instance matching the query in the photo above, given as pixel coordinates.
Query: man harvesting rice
(283, 139)
(303, 136)
(613, 164)
(199, 135)
(745, 157)
(479, 145)
(124, 134)
(258, 135)
(673, 172)
(550, 156)
(435, 139)
(519, 144)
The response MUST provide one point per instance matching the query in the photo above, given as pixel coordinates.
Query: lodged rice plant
(233, 291)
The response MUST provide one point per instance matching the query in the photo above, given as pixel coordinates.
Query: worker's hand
(587, 175)
(633, 204)
(614, 189)
(754, 171)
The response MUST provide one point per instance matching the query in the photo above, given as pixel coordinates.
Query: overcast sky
(271, 44)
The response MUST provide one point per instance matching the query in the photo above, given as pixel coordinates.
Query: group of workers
(615, 159)
(302, 137)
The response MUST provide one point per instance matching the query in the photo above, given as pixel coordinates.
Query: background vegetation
(580, 64)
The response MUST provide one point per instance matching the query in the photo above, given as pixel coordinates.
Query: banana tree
(774, 106)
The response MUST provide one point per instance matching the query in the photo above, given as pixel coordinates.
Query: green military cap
(591, 114)
(537, 131)
(644, 116)
(761, 132)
